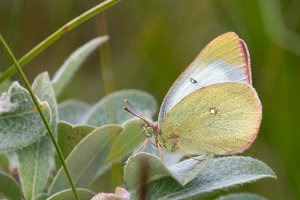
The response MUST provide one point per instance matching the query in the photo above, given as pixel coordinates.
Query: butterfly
(212, 107)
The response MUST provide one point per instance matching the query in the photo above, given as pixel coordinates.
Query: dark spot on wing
(193, 81)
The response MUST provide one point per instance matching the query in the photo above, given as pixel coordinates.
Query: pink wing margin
(247, 60)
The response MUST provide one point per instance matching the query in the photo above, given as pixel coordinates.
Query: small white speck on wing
(213, 111)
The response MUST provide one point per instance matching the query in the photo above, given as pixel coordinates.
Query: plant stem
(50, 132)
(105, 56)
(56, 35)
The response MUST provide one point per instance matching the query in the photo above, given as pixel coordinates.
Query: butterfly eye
(147, 131)
(213, 111)
(193, 80)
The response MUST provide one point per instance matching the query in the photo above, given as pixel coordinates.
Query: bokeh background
(151, 43)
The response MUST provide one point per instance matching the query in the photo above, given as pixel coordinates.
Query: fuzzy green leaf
(135, 166)
(68, 137)
(220, 173)
(42, 87)
(22, 125)
(241, 196)
(72, 111)
(86, 158)
(187, 170)
(109, 109)
(42, 196)
(6, 105)
(182, 172)
(9, 188)
(128, 140)
(34, 164)
(4, 161)
(72, 64)
(168, 158)
(84, 194)
(34, 160)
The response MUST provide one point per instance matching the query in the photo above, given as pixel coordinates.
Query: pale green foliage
(42, 87)
(22, 125)
(72, 111)
(86, 157)
(72, 64)
(128, 140)
(68, 137)
(136, 164)
(34, 164)
(182, 172)
(241, 196)
(84, 194)
(109, 109)
(34, 160)
(4, 161)
(218, 174)
(9, 187)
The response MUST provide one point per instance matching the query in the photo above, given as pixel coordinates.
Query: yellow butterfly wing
(222, 118)
(224, 59)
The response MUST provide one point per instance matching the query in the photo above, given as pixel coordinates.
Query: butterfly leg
(175, 140)
(160, 152)
(188, 155)
(143, 146)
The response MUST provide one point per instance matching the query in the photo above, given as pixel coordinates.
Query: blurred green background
(153, 41)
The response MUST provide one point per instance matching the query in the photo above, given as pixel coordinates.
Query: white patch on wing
(216, 72)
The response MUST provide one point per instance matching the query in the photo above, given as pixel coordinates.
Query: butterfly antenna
(132, 107)
(134, 112)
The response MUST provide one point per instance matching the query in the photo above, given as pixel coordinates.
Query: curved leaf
(109, 109)
(24, 117)
(128, 140)
(220, 173)
(125, 143)
(34, 165)
(68, 137)
(182, 172)
(4, 161)
(42, 196)
(241, 196)
(42, 88)
(86, 158)
(72, 111)
(84, 194)
(34, 160)
(72, 64)
(135, 166)
(9, 187)
(6, 105)
(169, 159)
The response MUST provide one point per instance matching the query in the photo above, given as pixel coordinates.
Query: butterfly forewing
(222, 118)
(225, 59)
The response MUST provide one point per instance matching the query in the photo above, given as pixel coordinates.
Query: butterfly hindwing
(222, 118)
